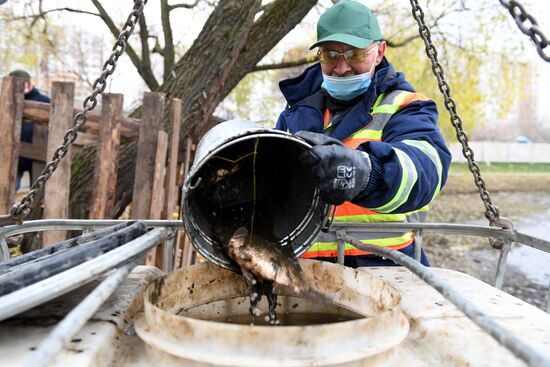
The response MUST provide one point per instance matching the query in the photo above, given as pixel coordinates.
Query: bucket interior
(257, 182)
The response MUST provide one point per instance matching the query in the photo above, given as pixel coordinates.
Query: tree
(235, 38)
(236, 30)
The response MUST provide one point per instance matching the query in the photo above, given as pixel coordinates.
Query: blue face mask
(346, 88)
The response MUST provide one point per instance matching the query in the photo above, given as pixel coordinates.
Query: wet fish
(259, 258)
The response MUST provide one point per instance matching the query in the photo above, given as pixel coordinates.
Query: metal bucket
(247, 175)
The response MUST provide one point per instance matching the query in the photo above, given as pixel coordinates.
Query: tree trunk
(228, 47)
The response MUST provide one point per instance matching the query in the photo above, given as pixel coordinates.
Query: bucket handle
(193, 187)
(328, 220)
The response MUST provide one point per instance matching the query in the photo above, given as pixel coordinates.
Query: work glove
(340, 173)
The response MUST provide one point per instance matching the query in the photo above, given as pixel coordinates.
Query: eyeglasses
(354, 56)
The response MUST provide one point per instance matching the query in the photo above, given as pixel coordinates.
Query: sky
(188, 24)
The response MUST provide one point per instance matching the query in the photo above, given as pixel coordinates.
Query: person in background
(377, 153)
(31, 93)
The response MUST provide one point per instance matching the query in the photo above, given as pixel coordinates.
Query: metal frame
(516, 345)
(65, 330)
(123, 259)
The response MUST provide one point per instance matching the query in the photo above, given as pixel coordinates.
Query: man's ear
(381, 50)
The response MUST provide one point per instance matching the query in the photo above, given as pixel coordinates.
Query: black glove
(341, 173)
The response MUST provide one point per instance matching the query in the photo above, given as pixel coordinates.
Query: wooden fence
(155, 190)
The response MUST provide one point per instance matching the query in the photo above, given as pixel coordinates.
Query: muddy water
(534, 263)
(291, 319)
(528, 269)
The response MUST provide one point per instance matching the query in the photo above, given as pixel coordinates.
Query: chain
(491, 211)
(20, 211)
(528, 25)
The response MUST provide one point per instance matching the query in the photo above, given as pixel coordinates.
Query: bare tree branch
(145, 72)
(71, 10)
(144, 38)
(402, 43)
(284, 65)
(264, 35)
(168, 50)
(186, 6)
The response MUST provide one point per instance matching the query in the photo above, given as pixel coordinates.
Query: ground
(518, 195)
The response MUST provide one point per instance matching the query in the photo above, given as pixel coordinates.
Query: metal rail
(516, 345)
(71, 324)
(50, 288)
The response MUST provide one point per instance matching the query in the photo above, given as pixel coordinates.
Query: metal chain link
(19, 211)
(528, 25)
(492, 212)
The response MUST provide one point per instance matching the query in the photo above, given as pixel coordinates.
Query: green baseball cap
(20, 74)
(348, 22)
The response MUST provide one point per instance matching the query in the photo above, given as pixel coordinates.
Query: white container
(178, 305)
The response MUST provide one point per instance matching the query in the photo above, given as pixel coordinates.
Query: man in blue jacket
(31, 93)
(377, 152)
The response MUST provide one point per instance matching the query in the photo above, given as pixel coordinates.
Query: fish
(259, 259)
(256, 256)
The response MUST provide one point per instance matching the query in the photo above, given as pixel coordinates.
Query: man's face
(342, 67)
(28, 87)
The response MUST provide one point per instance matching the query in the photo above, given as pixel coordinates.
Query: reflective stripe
(412, 97)
(351, 209)
(367, 134)
(408, 179)
(389, 109)
(349, 212)
(430, 151)
(330, 249)
(326, 246)
(371, 218)
(382, 238)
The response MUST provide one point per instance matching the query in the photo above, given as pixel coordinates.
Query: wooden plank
(106, 163)
(39, 142)
(83, 139)
(56, 194)
(186, 245)
(11, 112)
(187, 256)
(172, 170)
(157, 198)
(153, 104)
(178, 250)
(33, 151)
(37, 149)
(178, 246)
(38, 112)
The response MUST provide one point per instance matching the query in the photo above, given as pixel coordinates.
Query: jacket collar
(305, 90)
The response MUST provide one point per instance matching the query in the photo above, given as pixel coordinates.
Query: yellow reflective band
(386, 108)
(382, 242)
(400, 98)
(378, 100)
(367, 134)
(393, 107)
(409, 177)
(430, 151)
(425, 208)
(371, 218)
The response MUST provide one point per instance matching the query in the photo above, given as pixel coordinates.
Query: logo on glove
(345, 178)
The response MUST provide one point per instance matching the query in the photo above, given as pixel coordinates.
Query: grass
(460, 168)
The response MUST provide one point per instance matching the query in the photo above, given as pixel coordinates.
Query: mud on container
(247, 175)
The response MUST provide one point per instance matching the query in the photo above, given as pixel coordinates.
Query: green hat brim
(348, 39)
